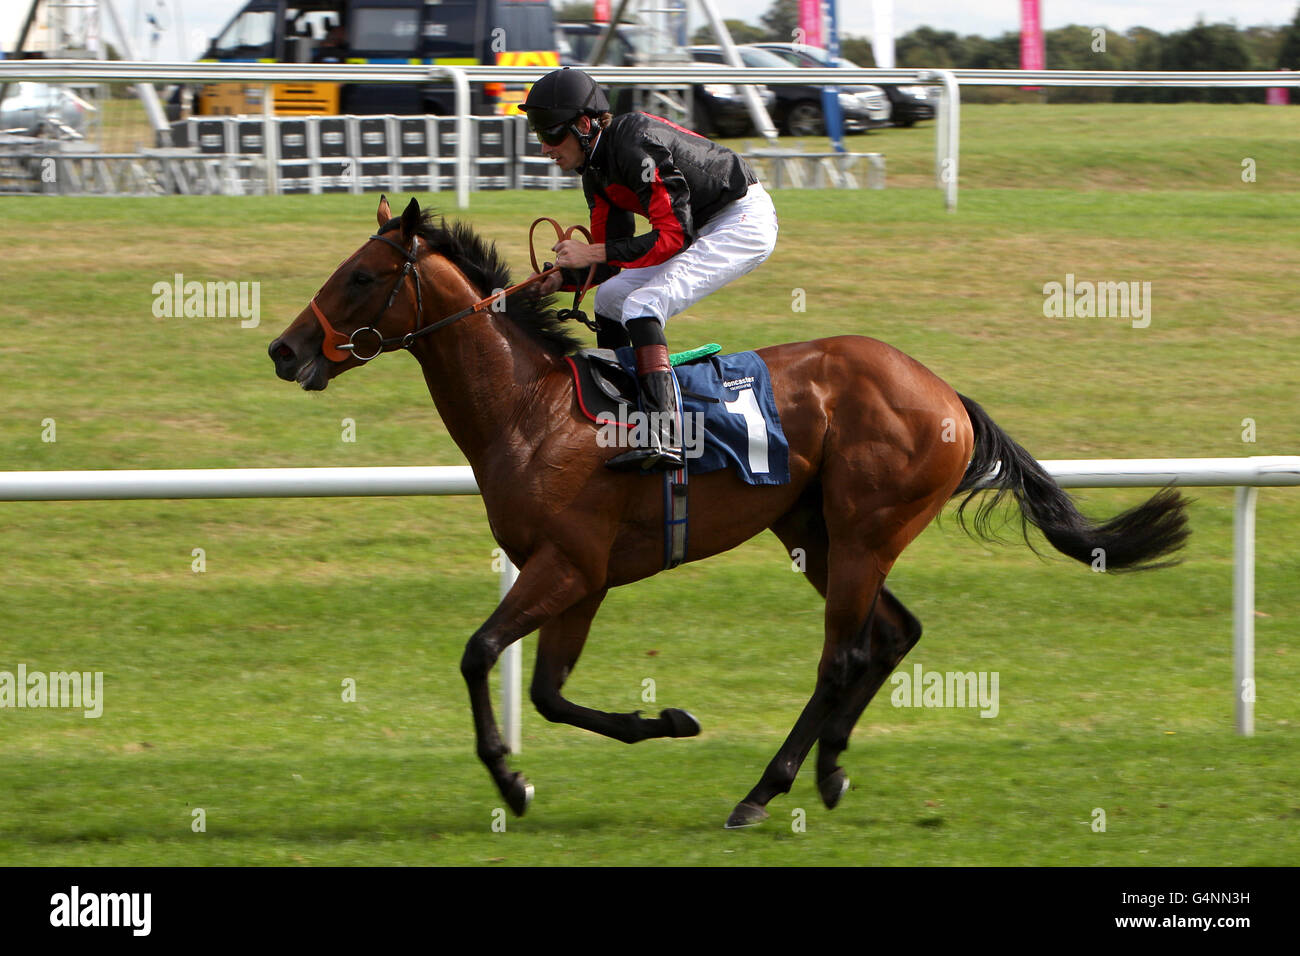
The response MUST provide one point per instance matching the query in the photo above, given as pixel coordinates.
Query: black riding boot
(663, 449)
(610, 334)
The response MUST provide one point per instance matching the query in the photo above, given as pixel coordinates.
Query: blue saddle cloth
(732, 396)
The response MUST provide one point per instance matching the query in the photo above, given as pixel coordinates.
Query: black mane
(485, 269)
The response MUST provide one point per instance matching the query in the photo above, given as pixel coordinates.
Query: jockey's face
(568, 154)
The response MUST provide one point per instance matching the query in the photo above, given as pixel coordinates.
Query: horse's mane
(482, 264)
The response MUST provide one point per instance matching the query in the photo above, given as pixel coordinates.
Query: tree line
(1205, 46)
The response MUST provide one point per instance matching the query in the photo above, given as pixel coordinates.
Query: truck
(452, 32)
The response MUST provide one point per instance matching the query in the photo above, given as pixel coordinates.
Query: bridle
(361, 342)
(368, 342)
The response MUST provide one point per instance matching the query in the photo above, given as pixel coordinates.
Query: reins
(562, 234)
(367, 342)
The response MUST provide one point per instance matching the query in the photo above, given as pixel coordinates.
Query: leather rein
(368, 342)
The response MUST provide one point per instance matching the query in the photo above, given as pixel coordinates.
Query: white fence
(1247, 475)
(947, 125)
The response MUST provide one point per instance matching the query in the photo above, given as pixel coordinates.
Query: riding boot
(663, 448)
(610, 334)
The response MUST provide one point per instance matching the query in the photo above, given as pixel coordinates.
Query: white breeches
(733, 242)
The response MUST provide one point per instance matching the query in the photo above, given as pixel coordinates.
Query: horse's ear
(384, 213)
(410, 219)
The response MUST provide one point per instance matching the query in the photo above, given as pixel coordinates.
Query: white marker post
(1243, 609)
(512, 674)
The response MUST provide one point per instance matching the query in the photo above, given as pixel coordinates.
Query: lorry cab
(452, 32)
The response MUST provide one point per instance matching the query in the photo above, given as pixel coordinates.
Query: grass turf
(223, 689)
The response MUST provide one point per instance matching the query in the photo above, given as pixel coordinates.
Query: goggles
(552, 135)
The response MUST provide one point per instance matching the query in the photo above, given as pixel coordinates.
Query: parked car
(717, 108)
(908, 103)
(911, 103)
(798, 110)
(34, 109)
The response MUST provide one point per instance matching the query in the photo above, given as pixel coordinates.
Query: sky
(196, 20)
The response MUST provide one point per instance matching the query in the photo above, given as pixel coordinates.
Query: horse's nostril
(279, 350)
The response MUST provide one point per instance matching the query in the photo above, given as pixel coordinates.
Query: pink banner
(1279, 95)
(601, 12)
(1031, 39)
(810, 23)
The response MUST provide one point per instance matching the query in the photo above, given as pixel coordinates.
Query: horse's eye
(361, 279)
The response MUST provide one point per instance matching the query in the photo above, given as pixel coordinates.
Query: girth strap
(676, 510)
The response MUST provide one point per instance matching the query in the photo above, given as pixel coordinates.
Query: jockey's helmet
(560, 97)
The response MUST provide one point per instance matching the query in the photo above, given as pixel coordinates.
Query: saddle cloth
(729, 412)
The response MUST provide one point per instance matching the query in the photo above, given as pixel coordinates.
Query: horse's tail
(1134, 540)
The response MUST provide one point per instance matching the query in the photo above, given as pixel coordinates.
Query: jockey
(710, 222)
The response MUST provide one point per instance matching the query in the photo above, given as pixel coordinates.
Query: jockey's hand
(571, 254)
(551, 284)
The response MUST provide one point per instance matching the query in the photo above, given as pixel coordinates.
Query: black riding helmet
(560, 97)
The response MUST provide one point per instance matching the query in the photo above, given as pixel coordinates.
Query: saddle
(603, 384)
(736, 423)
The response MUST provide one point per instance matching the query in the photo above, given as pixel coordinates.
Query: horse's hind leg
(561, 642)
(860, 553)
(848, 602)
(890, 633)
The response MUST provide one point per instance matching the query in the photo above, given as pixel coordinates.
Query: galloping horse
(878, 445)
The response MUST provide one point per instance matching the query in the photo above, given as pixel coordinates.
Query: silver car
(35, 109)
(872, 99)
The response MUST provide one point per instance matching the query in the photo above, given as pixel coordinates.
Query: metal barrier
(779, 168)
(356, 154)
(947, 125)
(267, 74)
(1247, 475)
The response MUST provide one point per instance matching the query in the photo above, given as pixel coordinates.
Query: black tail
(1134, 541)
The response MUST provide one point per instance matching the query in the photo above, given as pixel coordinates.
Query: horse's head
(376, 289)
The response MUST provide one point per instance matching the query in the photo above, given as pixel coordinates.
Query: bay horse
(878, 445)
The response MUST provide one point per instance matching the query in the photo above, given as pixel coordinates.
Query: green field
(223, 689)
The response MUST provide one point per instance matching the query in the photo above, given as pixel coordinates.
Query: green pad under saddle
(694, 355)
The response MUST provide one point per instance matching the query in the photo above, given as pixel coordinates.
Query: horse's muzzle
(310, 371)
(287, 362)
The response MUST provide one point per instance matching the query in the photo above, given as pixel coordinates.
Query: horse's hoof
(833, 787)
(519, 795)
(746, 815)
(680, 723)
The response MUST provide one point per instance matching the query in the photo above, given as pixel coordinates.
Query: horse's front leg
(558, 648)
(547, 585)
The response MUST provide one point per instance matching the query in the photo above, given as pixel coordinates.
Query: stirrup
(659, 401)
(648, 460)
(655, 456)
